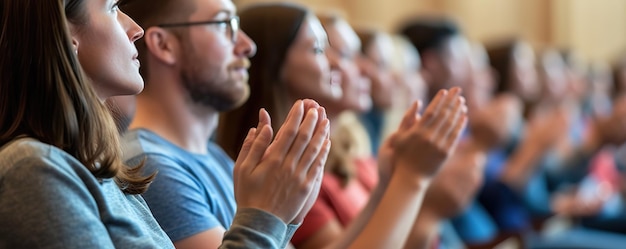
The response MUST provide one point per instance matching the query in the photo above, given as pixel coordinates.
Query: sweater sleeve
(44, 203)
(253, 228)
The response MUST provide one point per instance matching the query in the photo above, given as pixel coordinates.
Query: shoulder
(24, 154)
(140, 142)
(218, 154)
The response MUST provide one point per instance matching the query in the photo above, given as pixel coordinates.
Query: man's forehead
(214, 7)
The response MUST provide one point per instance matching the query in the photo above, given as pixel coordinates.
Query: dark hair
(367, 37)
(618, 67)
(44, 93)
(273, 27)
(429, 33)
(501, 56)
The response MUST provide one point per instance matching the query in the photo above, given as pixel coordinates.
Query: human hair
(429, 33)
(501, 57)
(273, 27)
(367, 37)
(328, 18)
(150, 13)
(44, 93)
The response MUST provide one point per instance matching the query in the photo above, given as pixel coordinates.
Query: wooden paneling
(595, 27)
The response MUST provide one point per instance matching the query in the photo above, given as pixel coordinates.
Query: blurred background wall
(594, 28)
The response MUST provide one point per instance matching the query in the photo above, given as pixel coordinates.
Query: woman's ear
(161, 44)
(75, 45)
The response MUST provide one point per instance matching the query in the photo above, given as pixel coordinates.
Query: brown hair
(501, 56)
(45, 94)
(367, 37)
(273, 27)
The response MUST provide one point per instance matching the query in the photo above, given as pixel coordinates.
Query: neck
(167, 110)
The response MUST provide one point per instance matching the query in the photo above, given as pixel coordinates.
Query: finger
(240, 166)
(245, 147)
(305, 133)
(314, 147)
(447, 103)
(433, 106)
(410, 115)
(288, 131)
(320, 160)
(323, 116)
(298, 103)
(321, 113)
(310, 104)
(257, 149)
(454, 136)
(317, 176)
(264, 118)
(444, 124)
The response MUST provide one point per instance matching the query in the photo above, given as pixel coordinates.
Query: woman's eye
(115, 6)
(318, 50)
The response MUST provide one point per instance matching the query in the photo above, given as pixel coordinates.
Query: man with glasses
(194, 63)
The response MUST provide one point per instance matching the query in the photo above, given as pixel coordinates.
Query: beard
(221, 94)
(210, 84)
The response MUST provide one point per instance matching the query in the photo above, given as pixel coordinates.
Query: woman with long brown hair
(63, 182)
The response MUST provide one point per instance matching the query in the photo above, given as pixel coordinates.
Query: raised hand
(386, 150)
(429, 140)
(281, 177)
(546, 129)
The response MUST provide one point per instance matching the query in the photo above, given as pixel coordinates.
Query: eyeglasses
(233, 24)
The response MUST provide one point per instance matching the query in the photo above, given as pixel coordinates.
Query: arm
(542, 134)
(418, 149)
(52, 203)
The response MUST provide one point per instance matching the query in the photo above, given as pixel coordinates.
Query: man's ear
(162, 45)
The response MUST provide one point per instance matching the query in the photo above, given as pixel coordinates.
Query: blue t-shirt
(192, 193)
(49, 199)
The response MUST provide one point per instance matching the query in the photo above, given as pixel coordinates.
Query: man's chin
(235, 101)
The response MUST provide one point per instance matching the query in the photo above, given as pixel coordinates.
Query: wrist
(410, 177)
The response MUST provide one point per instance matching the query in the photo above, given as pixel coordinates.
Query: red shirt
(336, 202)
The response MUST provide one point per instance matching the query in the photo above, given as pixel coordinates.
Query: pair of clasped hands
(281, 175)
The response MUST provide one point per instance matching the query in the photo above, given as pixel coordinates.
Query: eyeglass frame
(233, 23)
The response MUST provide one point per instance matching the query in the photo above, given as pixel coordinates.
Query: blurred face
(377, 68)
(481, 80)
(214, 67)
(343, 53)
(409, 79)
(106, 50)
(524, 77)
(554, 80)
(306, 71)
(452, 65)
